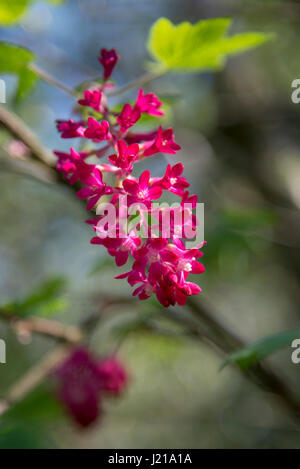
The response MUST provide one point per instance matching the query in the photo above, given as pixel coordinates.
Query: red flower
(97, 131)
(126, 155)
(141, 191)
(79, 387)
(108, 60)
(112, 375)
(67, 162)
(92, 99)
(96, 188)
(82, 378)
(163, 143)
(128, 117)
(148, 103)
(70, 128)
(172, 180)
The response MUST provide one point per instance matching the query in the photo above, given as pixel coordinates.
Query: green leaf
(202, 46)
(46, 299)
(12, 11)
(16, 60)
(24, 425)
(38, 405)
(261, 349)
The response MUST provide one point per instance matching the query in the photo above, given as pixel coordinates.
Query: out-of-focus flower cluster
(84, 381)
(161, 263)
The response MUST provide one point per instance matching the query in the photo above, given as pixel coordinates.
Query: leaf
(16, 60)
(40, 404)
(46, 299)
(12, 11)
(261, 349)
(24, 425)
(202, 46)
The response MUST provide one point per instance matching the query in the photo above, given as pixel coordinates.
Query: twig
(43, 326)
(35, 375)
(141, 81)
(17, 127)
(228, 342)
(51, 80)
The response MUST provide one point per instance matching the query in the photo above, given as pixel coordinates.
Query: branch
(51, 80)
(45, 327)
(141, 81)
(228, 342)
(19, 129)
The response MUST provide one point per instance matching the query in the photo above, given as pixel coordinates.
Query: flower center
(184, 265)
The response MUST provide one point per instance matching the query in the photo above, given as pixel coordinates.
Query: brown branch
(228, 342)
(51, 80)
(19, 129)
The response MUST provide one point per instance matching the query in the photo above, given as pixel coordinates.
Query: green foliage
(45, 300)
(262, 348)
(24, 424)
(235, 235)
(16, 60)
(13, 11)
(202, 46)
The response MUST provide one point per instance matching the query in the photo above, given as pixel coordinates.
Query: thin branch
(141, 81)
(19, 129)
(43, 326)
(228, 342)
(35, 376)
(51, 80)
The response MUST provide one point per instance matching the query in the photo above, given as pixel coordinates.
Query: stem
(228, 342)
(19, 129)
(35, 375)
(141, 81)
(45, 76)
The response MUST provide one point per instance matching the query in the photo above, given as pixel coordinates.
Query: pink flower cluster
(83, 381)
(161, 264)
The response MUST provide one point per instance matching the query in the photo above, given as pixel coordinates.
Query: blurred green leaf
(15, 60)
(24, 424)
(262, 348)
(40, 404)
(202, 46)
(13, 11)
(43, 301)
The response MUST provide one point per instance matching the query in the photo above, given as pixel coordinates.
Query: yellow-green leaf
(202, 46)
(16, 60)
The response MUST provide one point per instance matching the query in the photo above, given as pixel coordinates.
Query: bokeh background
(240, 138)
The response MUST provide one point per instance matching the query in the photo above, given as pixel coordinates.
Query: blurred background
(240, 138)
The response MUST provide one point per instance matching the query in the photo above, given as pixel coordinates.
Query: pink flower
(148, 103)
(70, 128)
(79, 386)
(119, 247)
(97, 131)
(172, 180)
(95, 190)
(141, 191)
(112, 375)
(108, 60)
(161, 264)
(82, 378)
(163, 143)
(92, 99)
(126, 155)
(128, 117)
(72, 166)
